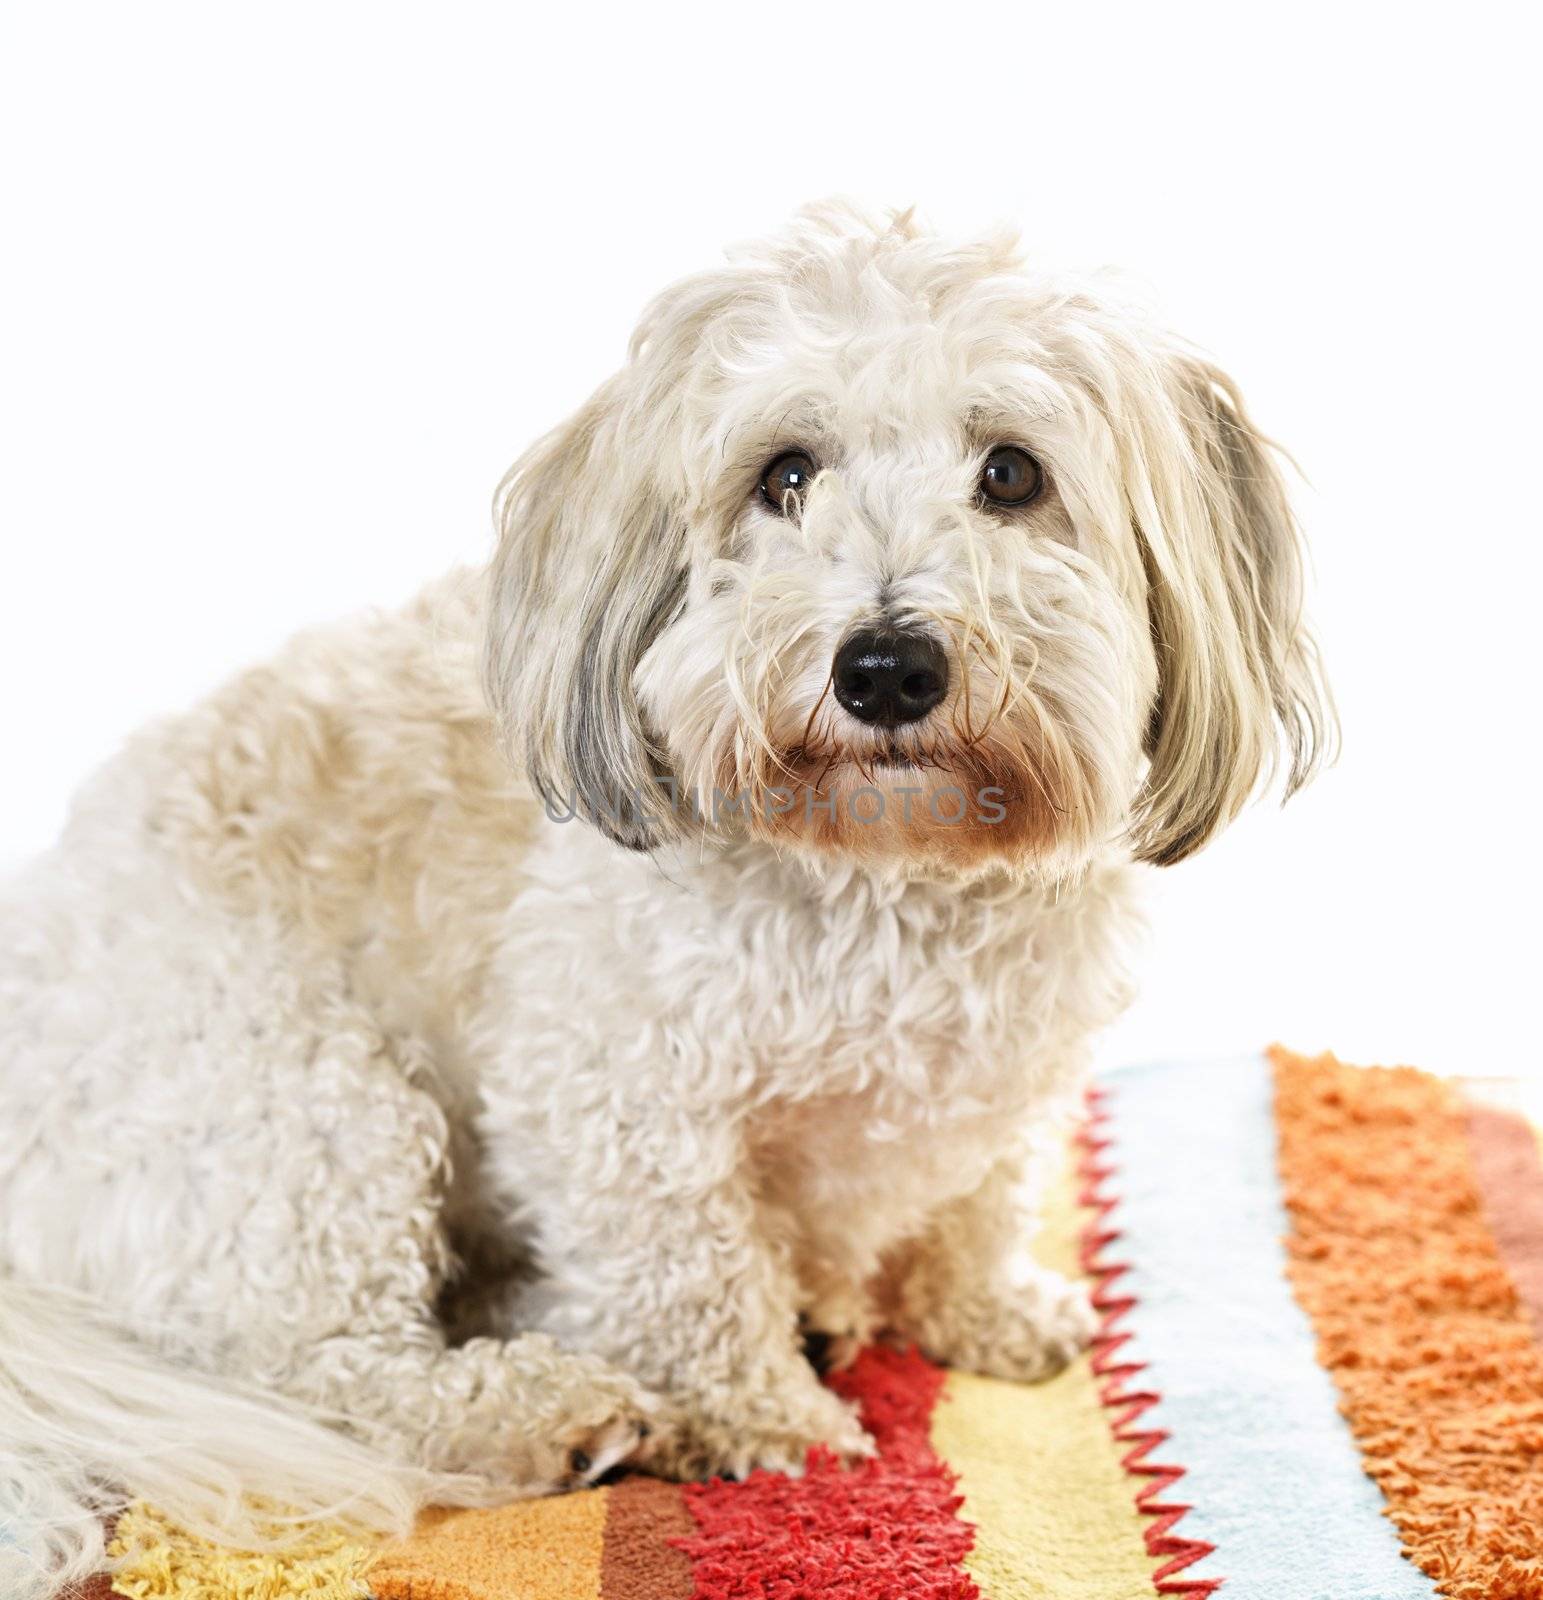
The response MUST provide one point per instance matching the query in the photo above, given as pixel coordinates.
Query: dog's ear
(590, 567)
(1239, 686)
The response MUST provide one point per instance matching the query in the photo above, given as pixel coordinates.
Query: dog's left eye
(1010, 477)
(789, 475)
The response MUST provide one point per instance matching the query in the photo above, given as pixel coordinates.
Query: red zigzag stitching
(1126, 1405)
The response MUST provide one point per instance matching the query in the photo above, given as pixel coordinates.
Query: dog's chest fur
(872, 1045)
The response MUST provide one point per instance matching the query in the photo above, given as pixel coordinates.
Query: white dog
(857, 636)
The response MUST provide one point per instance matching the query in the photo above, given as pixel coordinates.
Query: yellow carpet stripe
(1041, 1477)
(162, 1561)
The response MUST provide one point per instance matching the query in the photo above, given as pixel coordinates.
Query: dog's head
(887, 546)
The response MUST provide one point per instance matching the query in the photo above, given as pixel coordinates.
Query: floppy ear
(590, 568)
(1240, 693)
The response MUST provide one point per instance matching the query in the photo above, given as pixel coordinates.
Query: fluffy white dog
(507, 1025)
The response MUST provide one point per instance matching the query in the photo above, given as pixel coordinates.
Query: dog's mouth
(887, 757)
(915, 793)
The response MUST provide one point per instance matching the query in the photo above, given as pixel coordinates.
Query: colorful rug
(1320, 1377)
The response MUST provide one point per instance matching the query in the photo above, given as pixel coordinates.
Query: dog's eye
(789, 474)
(1011, 477)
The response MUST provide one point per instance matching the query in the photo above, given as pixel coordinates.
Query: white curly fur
(330, 1066)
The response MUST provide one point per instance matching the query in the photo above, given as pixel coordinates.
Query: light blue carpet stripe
(1272, 1472)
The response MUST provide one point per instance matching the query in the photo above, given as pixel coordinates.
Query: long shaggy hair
(887, 606)
(1129, 655)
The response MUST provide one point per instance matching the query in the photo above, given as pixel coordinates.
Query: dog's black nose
(890, 677)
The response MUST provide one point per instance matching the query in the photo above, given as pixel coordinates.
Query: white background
(289, 287)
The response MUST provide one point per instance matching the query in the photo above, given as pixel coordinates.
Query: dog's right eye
(1011, 477)
(788, 475)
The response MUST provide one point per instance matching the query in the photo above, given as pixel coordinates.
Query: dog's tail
(91, 1418)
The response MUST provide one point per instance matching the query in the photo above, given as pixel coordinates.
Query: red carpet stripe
(1127, 1404)
(885, 1530)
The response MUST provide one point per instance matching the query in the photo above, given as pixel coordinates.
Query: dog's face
(882, 546)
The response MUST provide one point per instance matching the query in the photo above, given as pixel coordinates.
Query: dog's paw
(593, 1419)
(775, 1430)
(1027, 1332)
(636, 1426)
(836, 1324)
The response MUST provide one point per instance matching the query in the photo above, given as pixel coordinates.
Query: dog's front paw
(774, 1428)
(836, 1324)
(1027, 1331)
(590, 1419)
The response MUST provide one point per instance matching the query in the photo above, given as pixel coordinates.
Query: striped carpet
(1319, 1378)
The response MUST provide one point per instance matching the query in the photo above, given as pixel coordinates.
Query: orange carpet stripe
(533, 1550)
(1417, 1318)
(1509, 1167)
